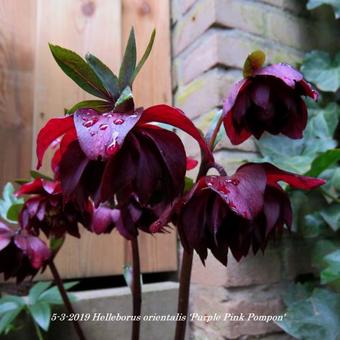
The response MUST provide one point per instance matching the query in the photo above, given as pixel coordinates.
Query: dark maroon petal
(234, 92)
(37, 252)
(307, 90)
(285, 72)
(243, 192)
(53, 129)
(72, 166)
(119, 173)
(103, 220)
(51, 187)
(175, 117)
(271, 210)
(275, 174)
(172, 152)
(5, 236)
(297, 121)
(34, 187)
(236, 136)
(260, 95)
(102, 135)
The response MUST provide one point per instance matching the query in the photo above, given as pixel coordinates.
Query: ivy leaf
(128, 66)
(145, 55)
(14, 212)
(323, 162)
(7, 201)
(314, 317)
(254, 61)
(334, 3)
(98, 105)
(79, 71)
(320, 69)
(108, 79)
(41, 314)
(331, 215)
(37, 290)
(298, 155)
(331, 274)
(7, 319)
(52, 295)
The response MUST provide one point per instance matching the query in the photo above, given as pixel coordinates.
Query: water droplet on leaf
(118, 121)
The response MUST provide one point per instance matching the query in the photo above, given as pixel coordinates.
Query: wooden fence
(34, 89)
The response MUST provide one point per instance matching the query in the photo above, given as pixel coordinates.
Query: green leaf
(41, 314)
(323, 162)
(7, 201)
(14, 212)
(107, 77)
(37, 290)
(125, 96)
(8, 318)
(98, 105)
(11, 302)
(36, 174)
(145, 55)
(331, 274)
(128, 66)
(320, 69)
(52, 295)
(331, 215)
(314, 317)
(320, 250)
(56, 243)
(254, 61)
(79, 71)
(188, 184)
(334, 3)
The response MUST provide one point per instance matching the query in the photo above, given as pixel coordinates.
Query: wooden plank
(17, 37)
(153, 86)
(82, 26)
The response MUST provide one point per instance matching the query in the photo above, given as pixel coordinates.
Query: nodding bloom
(269, 100)
(21, 254)
(127, 218)
(111, 156)
(239, 211)
(45, 211)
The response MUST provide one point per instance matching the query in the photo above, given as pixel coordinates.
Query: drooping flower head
(111, 151)
(267, 99)
(21, 254)
(238, 212)
(45, 210)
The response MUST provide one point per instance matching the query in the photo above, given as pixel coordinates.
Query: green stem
(38, 331)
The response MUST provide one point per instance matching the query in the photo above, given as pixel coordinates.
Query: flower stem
(136, 290)
(185, 276)
(184, 291)
(65, 298)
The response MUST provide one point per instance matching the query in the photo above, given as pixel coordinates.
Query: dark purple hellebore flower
(269, 100)
(127, 218)
(45, 210)
(21, 254)
(238, 211)
(113, 155)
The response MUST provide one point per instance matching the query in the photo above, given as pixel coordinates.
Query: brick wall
(211, 39)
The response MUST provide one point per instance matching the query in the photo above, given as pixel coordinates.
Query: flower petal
(102, 135)
(243, 192)
(175, 117)
(53, 129)
(5, 236)
(275, 174)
